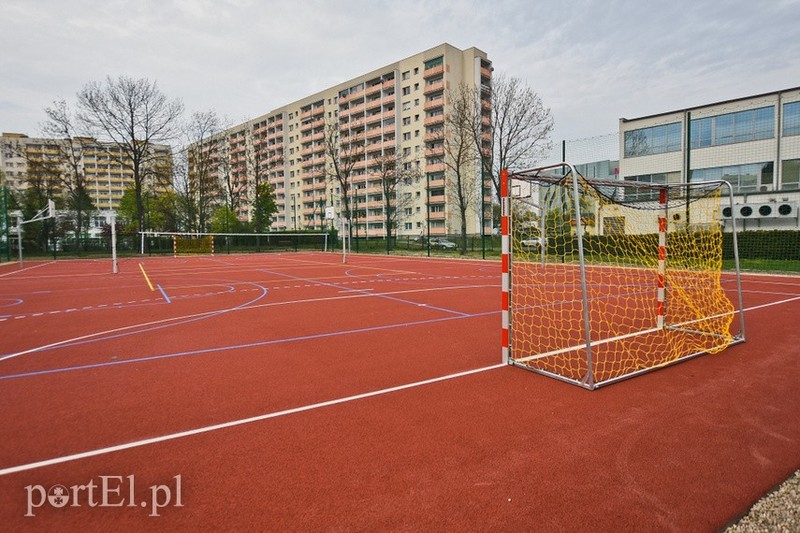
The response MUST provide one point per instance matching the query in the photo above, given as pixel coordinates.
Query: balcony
(357, 109)
(437, 119)
(434, 104)
(434, 135)
(435, 151)
(435, 71)
(434, 87)
(435, 167)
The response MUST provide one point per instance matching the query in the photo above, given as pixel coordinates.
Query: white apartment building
(103, 165)
(396, 109)
(751, 142)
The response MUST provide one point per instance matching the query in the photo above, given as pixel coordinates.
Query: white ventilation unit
(761, 210)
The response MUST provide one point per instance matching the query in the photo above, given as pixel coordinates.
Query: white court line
(24, 269)
(234, 423)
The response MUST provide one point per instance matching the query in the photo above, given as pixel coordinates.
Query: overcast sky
(591, 62)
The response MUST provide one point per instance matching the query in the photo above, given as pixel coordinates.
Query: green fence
(774, 250)
(767, 251)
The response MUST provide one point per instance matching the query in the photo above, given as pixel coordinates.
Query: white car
(531, 244)
(444, 244)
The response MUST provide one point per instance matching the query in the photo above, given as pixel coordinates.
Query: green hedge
(775, 245)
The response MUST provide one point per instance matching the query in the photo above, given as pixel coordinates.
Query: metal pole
(736, 262)
(428, 212)
(688, 171)
(505, 225)
(589, 378)
(114, 268)
(5, 223)
(19, 239)
(483, 206)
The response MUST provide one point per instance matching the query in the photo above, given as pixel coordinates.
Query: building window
(435, 62)
(791, 119)
(653, 140)
(790, 174)
(742, 126)
(406, 91)
(645, 194)
(406, 75)
(743, 178)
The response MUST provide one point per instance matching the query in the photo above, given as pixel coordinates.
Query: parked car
(531, 244)
(444, 244)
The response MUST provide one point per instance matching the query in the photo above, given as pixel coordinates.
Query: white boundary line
(26, 268)
(234, 423)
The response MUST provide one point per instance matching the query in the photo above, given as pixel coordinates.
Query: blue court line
(243, 346)
(164, 294)
(366, 293)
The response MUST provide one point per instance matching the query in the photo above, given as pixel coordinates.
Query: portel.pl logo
(105, 491)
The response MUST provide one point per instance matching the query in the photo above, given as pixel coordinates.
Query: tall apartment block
(397, 109)
(103, 165)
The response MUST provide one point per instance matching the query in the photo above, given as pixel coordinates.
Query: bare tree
(135, 115)
(460, 156)
(203, 160)
(71, 149)
(43, 180)
(394, 170)
(342, 156)
(510, 125)
(521, 127)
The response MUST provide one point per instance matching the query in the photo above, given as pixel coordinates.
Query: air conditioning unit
(761, 210)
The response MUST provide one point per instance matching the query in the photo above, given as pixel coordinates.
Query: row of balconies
(318, 123)
(318, 136)
(385, 145)
(359, 120)
(319, 160)
(377, 131)
(370, 90)
(311, 150)
(316, 111)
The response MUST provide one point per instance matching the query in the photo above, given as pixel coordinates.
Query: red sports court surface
(294, 392)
